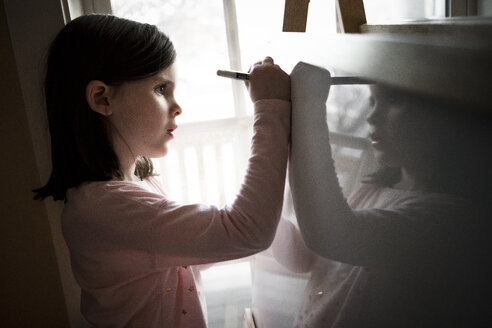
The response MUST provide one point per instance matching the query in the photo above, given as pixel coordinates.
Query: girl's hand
(268, 81)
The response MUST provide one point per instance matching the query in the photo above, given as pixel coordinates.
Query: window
(207, 159)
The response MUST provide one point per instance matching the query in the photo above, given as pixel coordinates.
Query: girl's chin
(163, 153)
(158, 153)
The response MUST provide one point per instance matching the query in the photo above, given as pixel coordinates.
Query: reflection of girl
(110, 99)
(411, 247)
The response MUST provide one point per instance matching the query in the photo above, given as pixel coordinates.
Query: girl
(411, 247)
(110, 99)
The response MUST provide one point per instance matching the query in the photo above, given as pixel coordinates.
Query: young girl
(411, 247)
(110, 99)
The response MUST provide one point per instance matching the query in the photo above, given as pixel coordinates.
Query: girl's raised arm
(176, 234)
(328, 225)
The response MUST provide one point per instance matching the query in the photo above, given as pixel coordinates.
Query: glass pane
(277, 290)
(264, 35)
(206, 165)
(347, 108)
(228, 291)
(484, 8)
(197, 30)
(260, 31)
(203, 164)
(381, 11)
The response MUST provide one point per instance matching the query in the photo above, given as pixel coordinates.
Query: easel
(350, 15)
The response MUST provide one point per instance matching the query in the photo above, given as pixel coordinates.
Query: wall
(32, 292)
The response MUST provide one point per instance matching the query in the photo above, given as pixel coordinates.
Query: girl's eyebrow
(161, 80)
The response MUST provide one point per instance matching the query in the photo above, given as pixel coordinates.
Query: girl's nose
(372, 117)
(377, 115)
(372, 104)
(176, 110)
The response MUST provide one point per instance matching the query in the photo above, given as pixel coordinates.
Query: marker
(334, 80)
(233, 75)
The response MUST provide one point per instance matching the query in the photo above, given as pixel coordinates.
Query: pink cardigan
(132, 249)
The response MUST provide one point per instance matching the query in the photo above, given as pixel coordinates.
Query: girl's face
(389, 129)
(144, 113)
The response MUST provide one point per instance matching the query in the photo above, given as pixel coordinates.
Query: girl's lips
(376, 141)
(170, 130)
(376, 145)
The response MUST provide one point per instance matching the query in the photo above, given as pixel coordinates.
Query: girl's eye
(161, 89)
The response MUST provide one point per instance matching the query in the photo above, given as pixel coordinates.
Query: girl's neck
(128, 170)
(125, 156)
(127, 163)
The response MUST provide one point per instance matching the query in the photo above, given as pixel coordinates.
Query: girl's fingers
(255, 64)
(268, 60)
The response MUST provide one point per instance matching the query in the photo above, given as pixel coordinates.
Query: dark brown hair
(94, 47)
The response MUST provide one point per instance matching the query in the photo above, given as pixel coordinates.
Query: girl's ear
(97, 95)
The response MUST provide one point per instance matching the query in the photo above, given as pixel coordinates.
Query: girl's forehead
(168, 73)
(164, 76)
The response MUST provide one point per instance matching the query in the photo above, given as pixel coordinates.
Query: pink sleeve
(179, 234)
(289, 249)
(329, 227)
